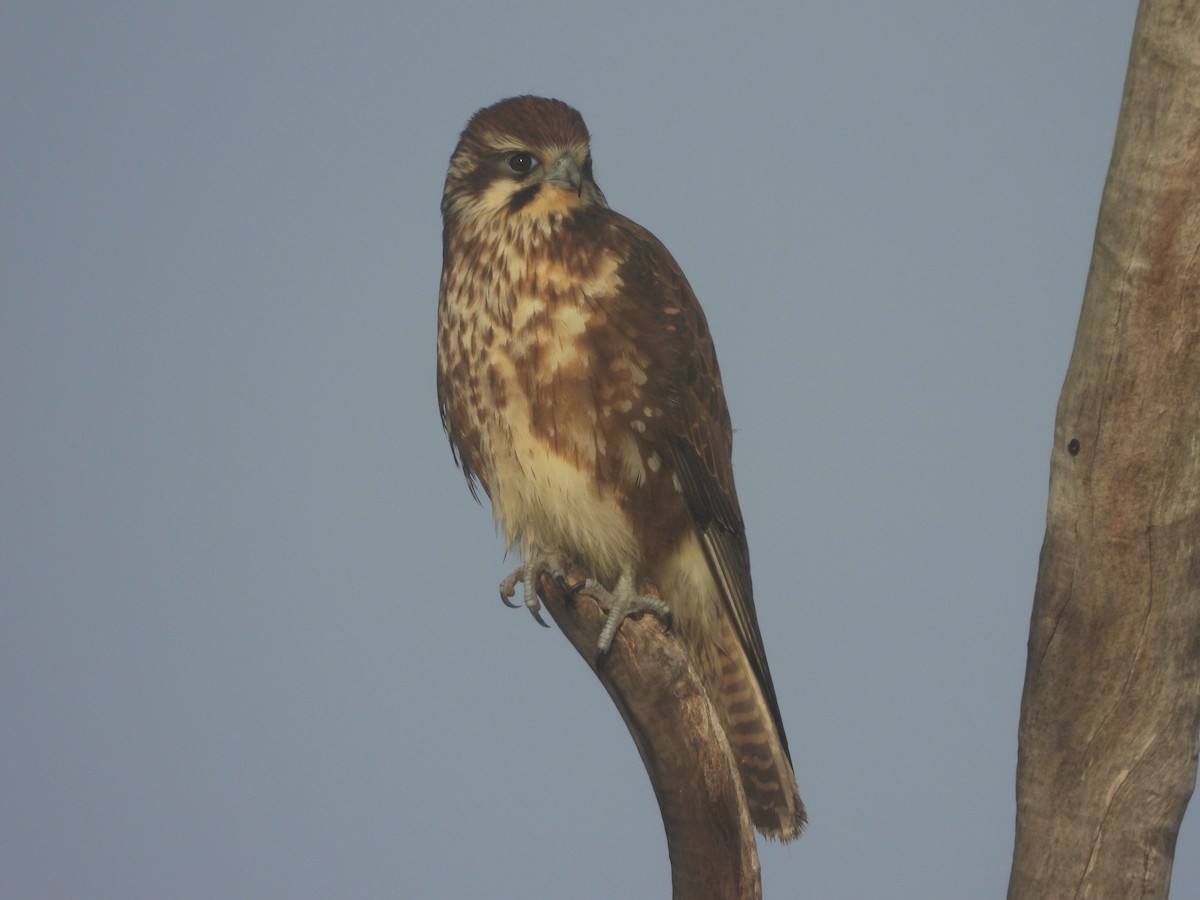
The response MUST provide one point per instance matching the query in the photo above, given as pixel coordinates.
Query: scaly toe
(623, 601)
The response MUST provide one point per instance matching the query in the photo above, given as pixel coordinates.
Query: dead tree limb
(1111, 705)
(647, 673)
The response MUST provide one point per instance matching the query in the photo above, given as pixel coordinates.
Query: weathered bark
(1111, 706)
(647, 673)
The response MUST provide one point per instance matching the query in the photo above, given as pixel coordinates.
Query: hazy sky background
(250, 640)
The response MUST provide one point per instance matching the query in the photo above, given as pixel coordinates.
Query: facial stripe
(523, 197)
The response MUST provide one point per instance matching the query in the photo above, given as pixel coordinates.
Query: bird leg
(622, 601)
(536, 564)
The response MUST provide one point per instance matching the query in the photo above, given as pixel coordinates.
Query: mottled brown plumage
(579, 386)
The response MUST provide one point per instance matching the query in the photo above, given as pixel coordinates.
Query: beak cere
(565, 174)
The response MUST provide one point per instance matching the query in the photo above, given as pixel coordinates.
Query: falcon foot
(622, 601)
(530, 573)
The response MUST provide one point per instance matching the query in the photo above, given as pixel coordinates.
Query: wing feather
(700, 443)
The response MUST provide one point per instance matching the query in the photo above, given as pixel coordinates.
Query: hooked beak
(565, 174)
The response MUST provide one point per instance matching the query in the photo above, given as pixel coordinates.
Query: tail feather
(758, 746)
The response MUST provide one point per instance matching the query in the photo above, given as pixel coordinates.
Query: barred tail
(756, 739)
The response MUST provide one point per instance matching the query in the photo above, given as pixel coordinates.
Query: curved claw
(569, 590)
(508, 587)
(529, 574)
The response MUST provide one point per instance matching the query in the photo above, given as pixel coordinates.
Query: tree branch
(650, 679)
(1111, 706)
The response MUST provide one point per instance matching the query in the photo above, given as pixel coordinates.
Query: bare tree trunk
(647, 673)
(1111, 706)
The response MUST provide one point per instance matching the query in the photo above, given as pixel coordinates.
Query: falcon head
(525, 157)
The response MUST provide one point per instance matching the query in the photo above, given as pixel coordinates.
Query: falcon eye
(522, 163)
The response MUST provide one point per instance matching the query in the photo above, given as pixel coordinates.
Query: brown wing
(458, 368)
(699, 439)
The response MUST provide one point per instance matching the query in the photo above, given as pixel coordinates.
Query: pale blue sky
(250, 640)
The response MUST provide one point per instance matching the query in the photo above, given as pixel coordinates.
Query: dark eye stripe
(522, 198)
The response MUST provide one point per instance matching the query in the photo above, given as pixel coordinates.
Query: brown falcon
(579, 386)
